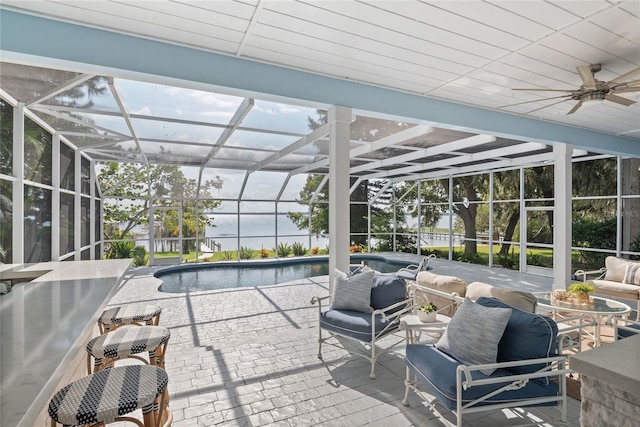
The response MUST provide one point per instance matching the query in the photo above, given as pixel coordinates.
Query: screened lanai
(505, 134)
(256, 174)
(253, 137)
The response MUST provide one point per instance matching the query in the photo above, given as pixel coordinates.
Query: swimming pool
(206, 277)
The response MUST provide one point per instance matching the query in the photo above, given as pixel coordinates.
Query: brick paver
(248, 357)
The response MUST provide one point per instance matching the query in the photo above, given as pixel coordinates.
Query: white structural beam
(59, 89)
(317, 134)
(339, 123)
(395, 139)
(319, 188)
(448, 147)
(80, 122)
(103, 144)
(55, 197)
(355, 185)
(18, 223)
(500, 164)
(562, 215)
(77, 205)
(238, 116)
(126, 118)
(465, 158)
(380, 192)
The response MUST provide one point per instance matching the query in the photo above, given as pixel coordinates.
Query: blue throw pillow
(387, 290)
(473, 334)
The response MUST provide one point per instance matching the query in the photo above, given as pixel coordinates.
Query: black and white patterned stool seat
(129, 314)
(128, 340)
(108, 394)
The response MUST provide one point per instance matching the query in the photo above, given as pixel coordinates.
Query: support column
(55, 197)
(339, 220)
(93, 215)
(562, 215)
(17, 241)
(77, 207)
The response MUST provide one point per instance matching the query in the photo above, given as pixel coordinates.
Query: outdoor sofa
(490, 360)
(619, 278)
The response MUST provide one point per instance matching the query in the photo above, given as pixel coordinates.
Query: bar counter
(44, 323)
(610, 383)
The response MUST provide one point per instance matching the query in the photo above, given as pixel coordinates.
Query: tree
(466, 191)
(362, 129)
(319, 212)
(162, 183)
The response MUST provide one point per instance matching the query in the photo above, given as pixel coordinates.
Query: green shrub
(635, 246)
(245, 252)
(298, 249)
(120, 250)
(535, 259)
(509, 260)
(462, 256)
(227, 256)
(140, 257)
(597, 235)
(283, 250)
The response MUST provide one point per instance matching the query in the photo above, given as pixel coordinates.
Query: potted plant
(427, 312)
(581, 292)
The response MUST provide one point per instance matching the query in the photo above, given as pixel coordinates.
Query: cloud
(144, 111)
(276, 109)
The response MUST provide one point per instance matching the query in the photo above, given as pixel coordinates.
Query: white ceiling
(470, 52)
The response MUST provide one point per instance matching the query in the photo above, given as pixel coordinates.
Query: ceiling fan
(592, 90)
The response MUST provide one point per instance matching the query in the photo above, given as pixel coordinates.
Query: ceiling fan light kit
(592, 99)
(592, 92)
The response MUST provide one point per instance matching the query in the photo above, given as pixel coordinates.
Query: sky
(155, 100)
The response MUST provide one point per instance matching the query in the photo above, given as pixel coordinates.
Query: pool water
(212, 277)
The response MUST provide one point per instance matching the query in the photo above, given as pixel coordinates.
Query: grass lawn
(541, 257)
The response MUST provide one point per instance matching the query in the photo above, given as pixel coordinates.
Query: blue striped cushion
(352, 292)
(632, 274)
(473, 334)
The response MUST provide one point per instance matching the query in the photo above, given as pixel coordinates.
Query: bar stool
(106, 396)
(127, 342)
(134, 314)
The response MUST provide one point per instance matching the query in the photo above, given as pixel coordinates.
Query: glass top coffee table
(602, 307)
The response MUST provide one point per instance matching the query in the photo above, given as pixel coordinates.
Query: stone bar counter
(44, 326)
(610, 383)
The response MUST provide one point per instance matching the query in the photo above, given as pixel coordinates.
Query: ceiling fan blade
(626, 76)
(627, 89)
(586, 75)
(575, 108)
(546, 106)
(631, 86)
(631, 83)
(545, 90)
(619, 100)
(536, 100)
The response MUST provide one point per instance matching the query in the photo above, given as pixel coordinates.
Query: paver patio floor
(248, 357)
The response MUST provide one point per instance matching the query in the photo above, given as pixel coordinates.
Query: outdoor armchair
(411, 271)
(388, 302)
